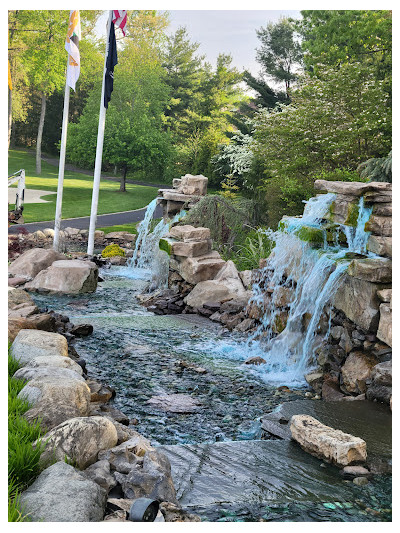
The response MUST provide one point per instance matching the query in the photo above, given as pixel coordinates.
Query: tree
(280, 53)
(334, 122)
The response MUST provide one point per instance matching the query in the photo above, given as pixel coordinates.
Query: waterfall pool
(240, 476)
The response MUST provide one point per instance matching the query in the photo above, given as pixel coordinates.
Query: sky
(230, 32)
(223, 31)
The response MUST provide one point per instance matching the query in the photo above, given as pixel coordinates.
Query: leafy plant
(112, 250)
(257, 245)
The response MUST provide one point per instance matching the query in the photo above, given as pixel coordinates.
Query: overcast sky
(230, 32)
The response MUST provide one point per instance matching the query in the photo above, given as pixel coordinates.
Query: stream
(225, 468)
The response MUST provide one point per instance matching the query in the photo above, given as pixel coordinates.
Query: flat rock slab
(175, 403)
(369, 420)
(241, 472)
(327, 443)
(62, 494)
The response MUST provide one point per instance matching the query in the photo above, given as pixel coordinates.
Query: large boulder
(41, 321)
(358, 300)
(66, 277)
(18, 297)
(153, 480)
(79, 440)
(384, 332)
(30, 343)
(202, 268)
(33, 261)
(327, 443)
(209, 291)
(229, 275)
(356, 370)
(54, 401)
(27, 373)
(53, 361)
(62, 494)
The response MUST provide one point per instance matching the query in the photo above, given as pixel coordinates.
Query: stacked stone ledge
(185, 193)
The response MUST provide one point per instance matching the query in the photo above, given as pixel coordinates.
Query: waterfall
(148, 261)
(307, 276)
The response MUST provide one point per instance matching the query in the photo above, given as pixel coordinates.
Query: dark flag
(112, 60)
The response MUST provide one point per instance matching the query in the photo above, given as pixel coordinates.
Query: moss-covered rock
(165, 246)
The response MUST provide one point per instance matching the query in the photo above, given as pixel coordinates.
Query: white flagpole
(99, 152)
(61, 166)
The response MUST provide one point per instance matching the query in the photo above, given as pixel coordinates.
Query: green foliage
(377, 169)
(112, 250)
(23, 457)
(257, 245)
(280, 53)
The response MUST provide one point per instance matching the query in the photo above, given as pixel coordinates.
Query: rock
(23, 312)
(385, 295)
(55, 402)
(229, 275)
(384, 332)
(206, 291)
(42, 321)
(15, 282)
(353, 188)
(356, 370)
(351, 472)
(54, 361)
(379, 393)
(247, 278)
(315, 379)
(33, 261)
(360, 481)
(118, 260)
(327, 443)
(189, 233)
(374, 270)
(380, 245)
(153, 480)
(255, 361)
(193, 185)
(121, 235)
(62, 494)
(116, 516)
(196, 269)
(27, 373)
(29, 344)
(98, 235)
(79, 440)
(381, 226)
(66, 277)
(175, 403)
(17, 297)
(136, 445)
(358, 300)
(173, 513)
(48, 232)
(99, 392)
(82, 330)
(191, 248)
(245, 325)
(382, 373)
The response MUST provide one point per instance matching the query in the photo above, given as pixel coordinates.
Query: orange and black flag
(72, 47)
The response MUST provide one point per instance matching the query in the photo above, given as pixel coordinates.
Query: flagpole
(61, 167)
(99, 151)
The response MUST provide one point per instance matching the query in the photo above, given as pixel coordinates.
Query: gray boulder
(54, 401)
(32, 343)
(66, 277)
(80, 440)
(63, 494)
(54, 361)
(33, 261)
(27, 374)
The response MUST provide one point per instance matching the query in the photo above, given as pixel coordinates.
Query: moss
(310, 234)
(112, 250)
(165, 246)
(352, 215)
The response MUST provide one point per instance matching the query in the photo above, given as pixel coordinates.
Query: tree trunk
(40, 135)
(9, 115)
(122, 186)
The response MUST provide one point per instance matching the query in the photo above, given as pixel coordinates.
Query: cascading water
(148, 261)
(294, 290)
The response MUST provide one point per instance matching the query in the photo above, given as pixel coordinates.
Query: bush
(112, 250)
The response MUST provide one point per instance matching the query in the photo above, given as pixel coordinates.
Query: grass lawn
(77, 194)
(131, 228)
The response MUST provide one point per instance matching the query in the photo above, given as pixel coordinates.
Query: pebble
(308, 395)
(360, 481)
